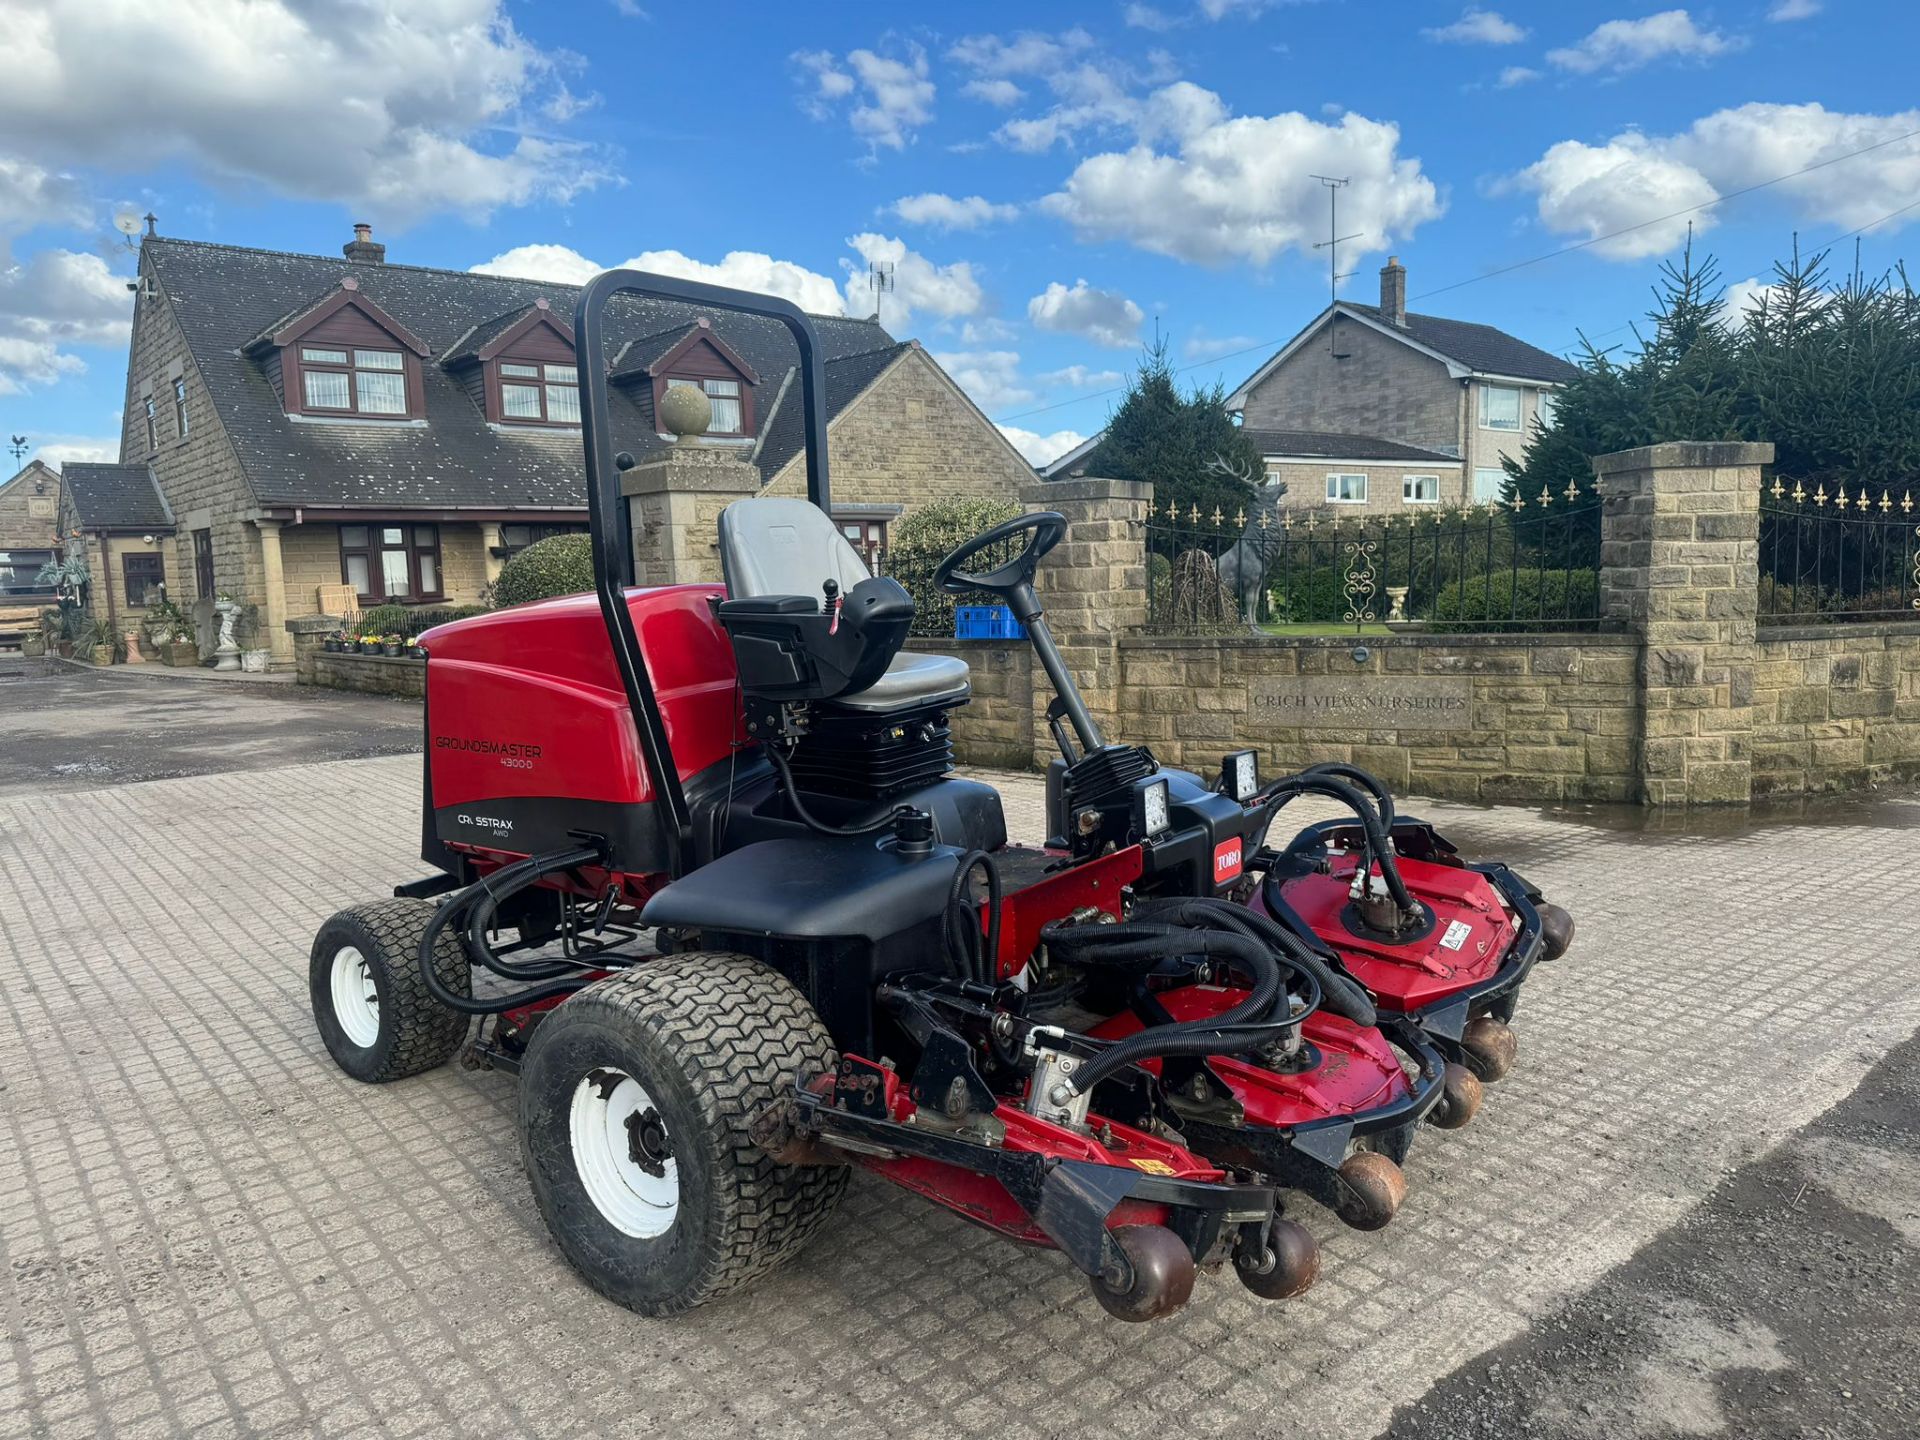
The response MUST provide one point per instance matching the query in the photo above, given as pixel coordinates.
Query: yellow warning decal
(1153, 1167)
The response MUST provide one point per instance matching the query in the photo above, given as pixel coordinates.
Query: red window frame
(739, 397)
(541, 384)
(372, 548)
(352, 370)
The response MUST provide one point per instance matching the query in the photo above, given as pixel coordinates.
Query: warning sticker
(1153, 1167)
(1456, 935)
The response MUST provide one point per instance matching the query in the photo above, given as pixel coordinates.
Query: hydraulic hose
(812, 821)
(502, 883)
(1382, 797)
(1340, 993)
(1379, 840)
(962, 921)
(1136, 947)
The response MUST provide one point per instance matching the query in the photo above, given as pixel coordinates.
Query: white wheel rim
(619, 1142)
(356, 1003)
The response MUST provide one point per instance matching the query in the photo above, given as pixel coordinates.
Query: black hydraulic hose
(1379, 842)
(1136, 946)
(1382, 797)
(506, 881)
(962, 922)
(1340, 993)
(812, 821)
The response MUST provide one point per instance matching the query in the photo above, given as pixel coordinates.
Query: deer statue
(1242, 567)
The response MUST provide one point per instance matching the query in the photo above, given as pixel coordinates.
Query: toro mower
(705, 879)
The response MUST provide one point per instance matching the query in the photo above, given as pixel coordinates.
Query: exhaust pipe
(1162, 1278)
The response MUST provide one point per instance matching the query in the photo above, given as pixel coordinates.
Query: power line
(1523, 264)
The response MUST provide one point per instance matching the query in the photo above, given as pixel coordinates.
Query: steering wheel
(1046, 528)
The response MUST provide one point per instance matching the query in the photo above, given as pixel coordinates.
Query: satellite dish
(127, 223)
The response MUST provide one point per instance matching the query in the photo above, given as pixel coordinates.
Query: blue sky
(1046, 196)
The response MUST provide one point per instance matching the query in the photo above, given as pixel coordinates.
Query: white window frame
(1519, 407)
(1499, 482)
(1406, 485)
(1544, 406)
(181, 425)
(1334, 487)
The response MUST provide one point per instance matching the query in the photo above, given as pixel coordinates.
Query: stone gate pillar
(1679, 569)
(1093, 588)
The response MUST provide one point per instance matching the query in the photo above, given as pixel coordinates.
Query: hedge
(558, 565)
(1517, 600)
(920, 541)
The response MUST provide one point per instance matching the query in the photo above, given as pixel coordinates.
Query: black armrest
(770, 605)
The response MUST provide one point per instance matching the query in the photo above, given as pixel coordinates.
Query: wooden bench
(17, 621)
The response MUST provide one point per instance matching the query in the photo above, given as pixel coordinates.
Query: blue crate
(986, 622)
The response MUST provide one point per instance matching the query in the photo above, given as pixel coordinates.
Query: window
(1499, 407)
(1346, 489)
(728, 416)
(391, 562)
(363, 382)
(538, 393)
(869, 537)
(515, 538)
(1543, 408)
(152, 408)
(203, 564)
(145, 575)
(180, 407)
(1420, 489)
(1487, 485)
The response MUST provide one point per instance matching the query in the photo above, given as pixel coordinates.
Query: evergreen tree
(1173, 442)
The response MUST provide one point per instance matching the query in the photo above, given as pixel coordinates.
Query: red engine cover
(524, 705)
(1470, 937)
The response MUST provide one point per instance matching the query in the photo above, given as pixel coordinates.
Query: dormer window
(539, 393)
(724, 396)
(363, 382)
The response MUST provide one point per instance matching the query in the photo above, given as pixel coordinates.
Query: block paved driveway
(206, 1228)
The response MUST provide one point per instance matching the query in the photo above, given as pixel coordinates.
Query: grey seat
(776, 546)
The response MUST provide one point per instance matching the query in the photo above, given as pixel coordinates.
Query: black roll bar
(612, 546)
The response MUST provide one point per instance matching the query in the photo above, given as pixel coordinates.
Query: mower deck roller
(704, 882)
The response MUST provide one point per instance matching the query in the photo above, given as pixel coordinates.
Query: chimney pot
(363, 249)
(1393, 292)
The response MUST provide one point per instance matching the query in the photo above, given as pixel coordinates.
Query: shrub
(1517, 600)
(1309, 596)
(558, 565)
(920, 541)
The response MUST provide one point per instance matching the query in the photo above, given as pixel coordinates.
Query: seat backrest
(784, 547)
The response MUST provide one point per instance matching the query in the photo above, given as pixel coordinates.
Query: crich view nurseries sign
(1380, 702)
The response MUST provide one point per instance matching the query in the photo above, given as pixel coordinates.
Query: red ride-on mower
(1100, 1053)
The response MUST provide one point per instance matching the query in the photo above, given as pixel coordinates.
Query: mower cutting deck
(741, 930)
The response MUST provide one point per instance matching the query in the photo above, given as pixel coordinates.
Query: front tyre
(636, 1097)
(372, 1007)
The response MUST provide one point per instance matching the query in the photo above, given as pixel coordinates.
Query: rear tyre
(636, 1098)
(374, 1012)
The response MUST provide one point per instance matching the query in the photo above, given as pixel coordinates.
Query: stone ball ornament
(685, 411)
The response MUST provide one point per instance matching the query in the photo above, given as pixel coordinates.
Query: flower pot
(66, 649)
(371, 647)
(254, 662)
(33, 645)
(183, 653)
(416, 652)
(330, 645)
(392, 651)
(101, 654)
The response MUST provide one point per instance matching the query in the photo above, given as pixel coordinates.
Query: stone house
(1376, 408)
(117, 518)
(314, 423)
(29, 527)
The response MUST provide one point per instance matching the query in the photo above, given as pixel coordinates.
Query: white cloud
(1743, 294)
(1146, 17)
(739, 269)
(1621, 45)
(1202, 346)
(1237, 189)
(991, 377)
(1003, 93)
(55, 299)
(1079, 377)
(949, 291)
(31, 196)
(948, 213)
(1516, 75)
(1103, 316)
(1592, 190)
(1221, 9)
(1030, 52)
(894, 93)
(1042, 449)
(57, 450)
(1793, 10)
(987, 330)
(396, 108)
(1478, 27)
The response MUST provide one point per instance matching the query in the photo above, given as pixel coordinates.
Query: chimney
(1393, 292)
(363, 250)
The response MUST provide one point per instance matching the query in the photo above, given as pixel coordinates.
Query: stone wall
(996, 728)
(1835, 707)
(373, 674)
(30, 518)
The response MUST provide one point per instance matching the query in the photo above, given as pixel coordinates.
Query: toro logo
(1226, 861)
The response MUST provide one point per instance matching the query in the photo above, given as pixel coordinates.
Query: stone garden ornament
(1243, 565)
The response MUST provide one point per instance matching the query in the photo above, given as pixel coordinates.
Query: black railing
(1836, 554)
(1518, 565)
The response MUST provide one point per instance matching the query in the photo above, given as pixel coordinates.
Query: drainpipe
(106, 580)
